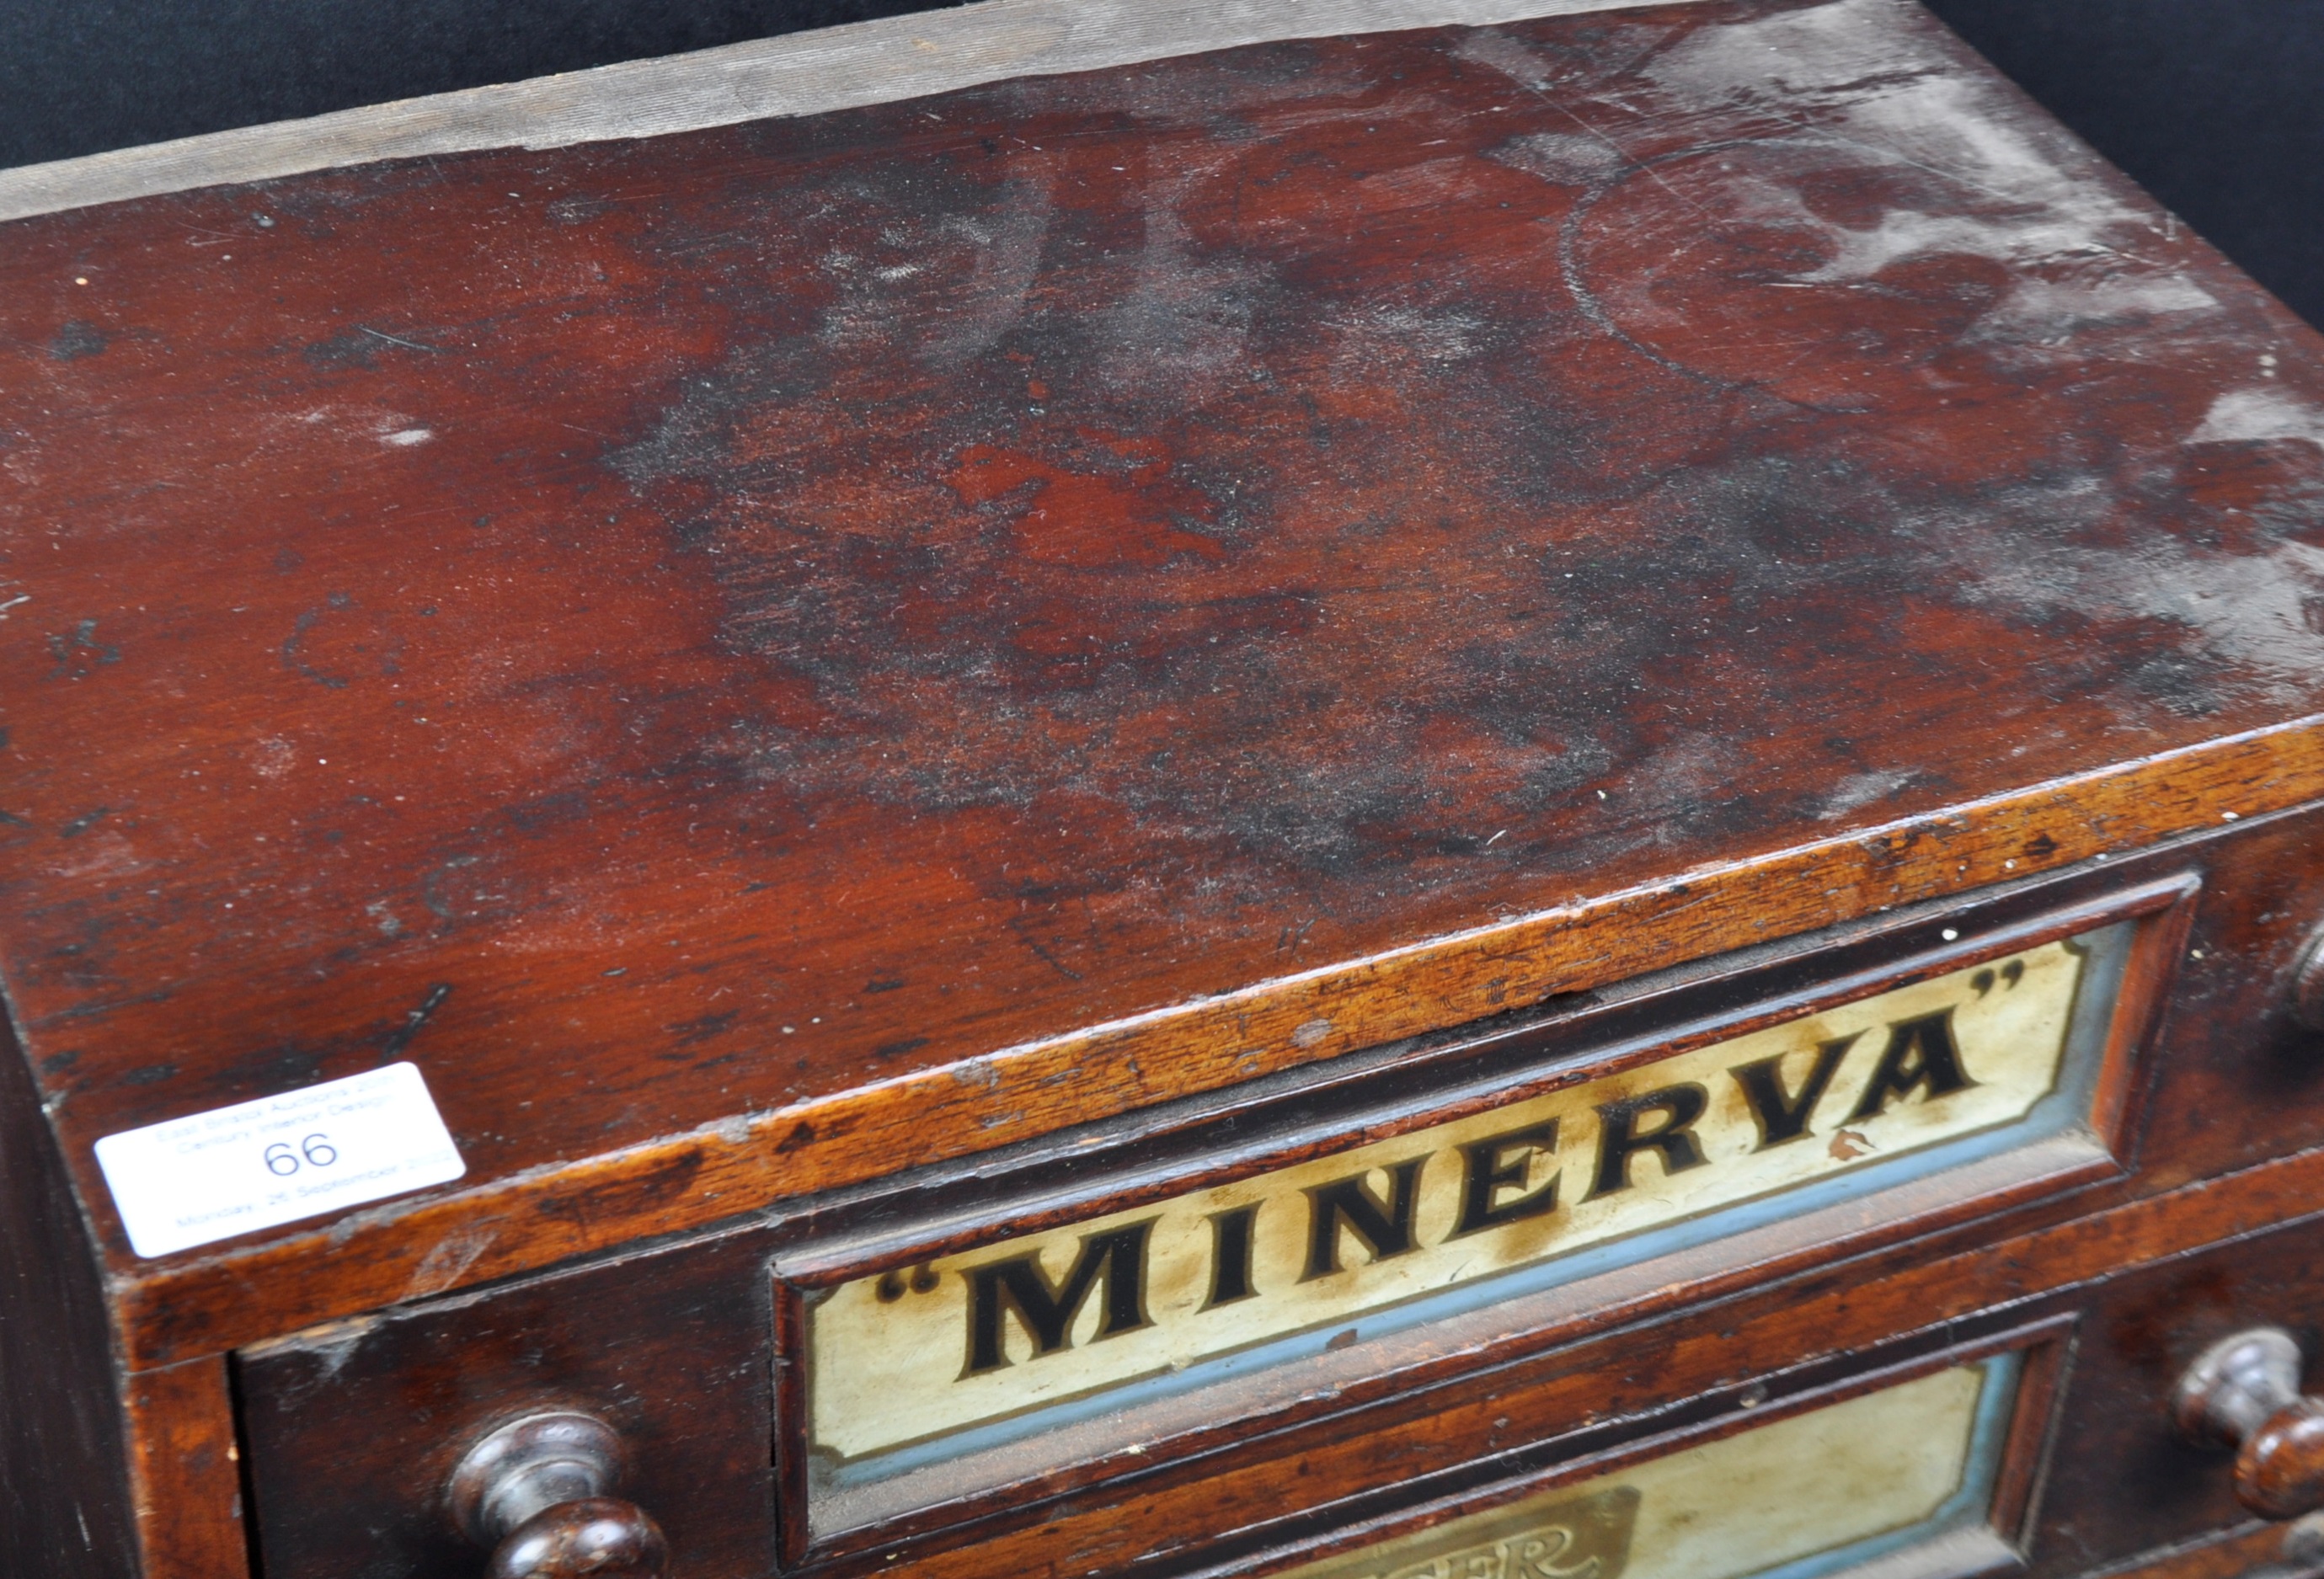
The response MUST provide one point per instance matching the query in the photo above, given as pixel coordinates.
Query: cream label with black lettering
(1020, 1324)
(1826, 1481)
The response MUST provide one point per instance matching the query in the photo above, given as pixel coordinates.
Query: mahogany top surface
(652, 631)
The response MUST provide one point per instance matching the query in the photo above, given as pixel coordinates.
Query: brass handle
(2243, 1392)
(538, 1492)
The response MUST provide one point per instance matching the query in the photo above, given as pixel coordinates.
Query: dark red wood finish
(1414, 1085)
(789, 666)
(672, 1350)
(944, 575)
(2227, 1554)
(64, 1493)
(2229, 1139)
(2118, 1480)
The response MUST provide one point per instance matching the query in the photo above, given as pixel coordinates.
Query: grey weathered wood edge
(800, 74)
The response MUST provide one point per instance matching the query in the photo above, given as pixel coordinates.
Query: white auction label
(260, 1164)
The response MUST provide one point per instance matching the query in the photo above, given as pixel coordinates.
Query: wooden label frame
(1337, 1364)
(2031, 1359)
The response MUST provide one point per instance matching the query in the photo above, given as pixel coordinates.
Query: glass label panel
(1034, 1350)
(1906, 1470)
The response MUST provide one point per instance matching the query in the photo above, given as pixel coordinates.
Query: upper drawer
(922, 1366)
(1330, 1245)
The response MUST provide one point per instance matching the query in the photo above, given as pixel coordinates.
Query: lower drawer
(1925, 1470)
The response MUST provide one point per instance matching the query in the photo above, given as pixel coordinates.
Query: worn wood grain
(2149, 1282)
(2122, 1482)
(64, 1503)
(820, 671)
(1999, 1198)
(185, 1471)
(524, 633)
(396, 1252)
(798, 74)
(2228, 1554)
(2233, 1077)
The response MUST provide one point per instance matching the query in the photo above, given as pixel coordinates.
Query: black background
(2218, 106)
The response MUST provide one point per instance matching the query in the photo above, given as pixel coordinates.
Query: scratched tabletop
(664, 631)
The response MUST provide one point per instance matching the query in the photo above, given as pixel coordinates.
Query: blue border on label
(2066, 1108)
(1969, 1507)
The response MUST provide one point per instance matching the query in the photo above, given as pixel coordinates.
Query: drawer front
(354, 1432)
(1891, 1098)
(2109, 1036)
(1926, 1469)
(2088, 1472)
(2037, 1436)
(2090, 1475)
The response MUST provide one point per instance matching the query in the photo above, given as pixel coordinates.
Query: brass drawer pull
(538, 1492)
(2243, 1392)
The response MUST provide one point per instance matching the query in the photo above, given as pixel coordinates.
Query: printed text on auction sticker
(260, 1164)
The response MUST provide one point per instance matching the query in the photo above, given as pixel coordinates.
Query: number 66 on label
(315, 1151)
(301, 1153)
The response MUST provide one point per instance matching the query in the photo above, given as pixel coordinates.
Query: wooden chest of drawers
(1520, 792)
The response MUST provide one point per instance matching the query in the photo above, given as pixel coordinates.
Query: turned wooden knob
(538, 1492)
(2243, 1392)
(602, 1537)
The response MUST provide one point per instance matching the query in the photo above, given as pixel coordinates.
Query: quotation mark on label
(2011, 974)
(891, 1283)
